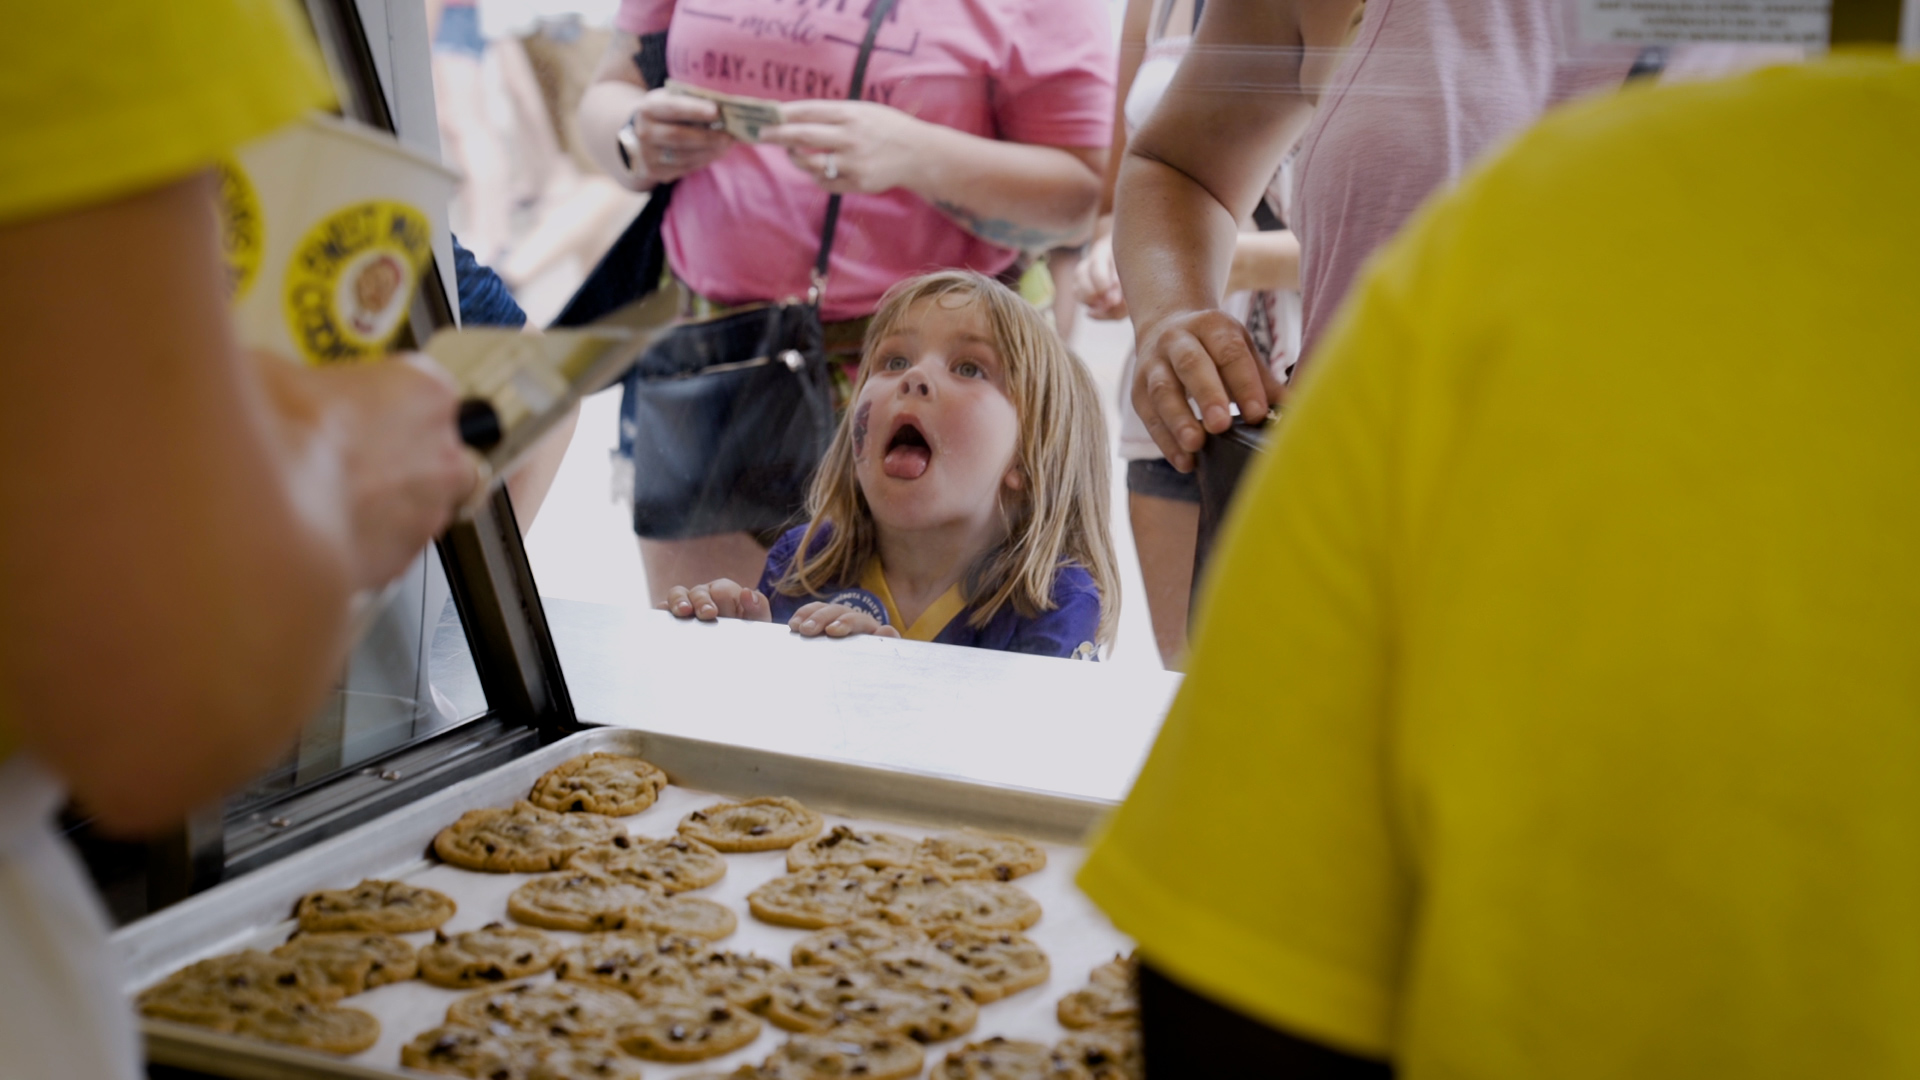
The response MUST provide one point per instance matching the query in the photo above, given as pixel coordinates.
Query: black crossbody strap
(880, 9)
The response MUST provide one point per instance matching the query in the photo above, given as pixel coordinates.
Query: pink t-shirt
(1428, 87)
(748, 227)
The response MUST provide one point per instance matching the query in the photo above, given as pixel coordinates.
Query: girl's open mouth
(908, 454)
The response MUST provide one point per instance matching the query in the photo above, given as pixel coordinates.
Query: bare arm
(1265, 260)
(186, 521)
(1197, 168)
(1012, 194)
(1133, 49)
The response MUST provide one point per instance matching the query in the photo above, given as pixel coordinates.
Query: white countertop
(1033, 722)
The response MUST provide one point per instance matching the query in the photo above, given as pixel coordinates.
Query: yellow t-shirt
(1556, 709)
(110, 97)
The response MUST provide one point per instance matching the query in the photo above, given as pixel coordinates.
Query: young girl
(964, 499)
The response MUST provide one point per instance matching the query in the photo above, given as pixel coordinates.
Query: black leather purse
(725, 419)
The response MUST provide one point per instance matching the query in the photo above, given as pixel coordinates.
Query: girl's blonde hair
(1059, 514)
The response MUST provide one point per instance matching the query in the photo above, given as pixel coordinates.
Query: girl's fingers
(677, 602)
(853, 622)
(806, 621)
(886, 631)
(700, 598)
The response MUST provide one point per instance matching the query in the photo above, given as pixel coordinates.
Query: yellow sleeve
(111, 97)
(1256, 860)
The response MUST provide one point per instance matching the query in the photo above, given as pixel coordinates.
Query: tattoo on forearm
(1004, 233)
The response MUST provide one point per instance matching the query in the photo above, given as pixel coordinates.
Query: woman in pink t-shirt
(983, 131)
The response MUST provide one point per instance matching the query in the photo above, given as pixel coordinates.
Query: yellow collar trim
(931, 621)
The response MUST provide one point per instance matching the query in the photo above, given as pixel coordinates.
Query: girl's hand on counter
(837, 620)
(722, 599)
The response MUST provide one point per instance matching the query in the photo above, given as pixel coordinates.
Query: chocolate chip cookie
(843, 846)
(761, 824)
(585, 901)
(1111, 1053)
(355, 962)
(845, 1052)
(611, 784)
(492, 954)
(562, 1010)
(1111, 997)
(317, 1027)
(970, 854)
(816, 999)
(216, 992)
(391, 907)
(676, 864)
(674, 1028)
(1007, 1059)
(506, 1054)
(523, 838)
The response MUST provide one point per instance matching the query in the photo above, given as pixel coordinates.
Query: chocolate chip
(757, 830)
(678, 844)
(677, 1032)
(622, 842)
(491, 973)
(697, 816)
(578, 804)
(523, 958)
(490, 848)
(719, 1015)
(1003, 873)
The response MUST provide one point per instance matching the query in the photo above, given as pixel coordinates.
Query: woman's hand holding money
(677, 134)
(851, 146)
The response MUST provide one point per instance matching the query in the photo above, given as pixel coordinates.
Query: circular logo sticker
(243, 229)
(351, 278)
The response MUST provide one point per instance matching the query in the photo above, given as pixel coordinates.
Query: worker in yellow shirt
(185, 522)
(1555, 712)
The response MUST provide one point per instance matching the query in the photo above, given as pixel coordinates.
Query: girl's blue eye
(894, 363)
(967, 369)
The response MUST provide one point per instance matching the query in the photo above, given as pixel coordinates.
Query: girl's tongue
(907, 455)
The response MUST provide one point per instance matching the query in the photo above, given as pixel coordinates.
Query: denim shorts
(1155, 478)
(460, 31)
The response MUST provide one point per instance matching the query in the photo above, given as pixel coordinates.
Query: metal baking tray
(254, 911)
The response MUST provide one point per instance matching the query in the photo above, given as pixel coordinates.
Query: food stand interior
(464, 669)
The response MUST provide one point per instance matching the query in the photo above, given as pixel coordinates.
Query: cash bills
(743, 117)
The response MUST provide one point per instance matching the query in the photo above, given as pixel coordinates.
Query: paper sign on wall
(1661, 22)
(1756, 22)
